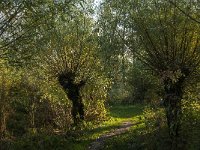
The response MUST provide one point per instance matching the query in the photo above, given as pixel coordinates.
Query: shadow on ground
(139, 140)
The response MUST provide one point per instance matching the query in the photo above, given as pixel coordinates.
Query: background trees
(61, 59)
(171, 45)
(23, 25)
(165, 40)
(72, 58)
(61, 45)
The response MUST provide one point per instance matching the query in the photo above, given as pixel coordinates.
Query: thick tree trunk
(73, 92)
(2, 123)
(3, 103)
(77, 110)
(172, 102)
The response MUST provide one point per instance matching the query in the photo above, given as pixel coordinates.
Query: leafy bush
(154, 118)
(191, 120)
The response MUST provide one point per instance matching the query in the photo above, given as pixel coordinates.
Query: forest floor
(121, 119)
(99, 143)
(125, 129)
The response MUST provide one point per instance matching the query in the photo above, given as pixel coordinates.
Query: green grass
(117, 115)
(141, 137)
(138, 137)
(79, 140)
(126, 111)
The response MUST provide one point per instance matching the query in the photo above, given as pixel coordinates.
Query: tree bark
(77, 112)
(3, 103)
(172, 103)
(73, 92)
(2, 123)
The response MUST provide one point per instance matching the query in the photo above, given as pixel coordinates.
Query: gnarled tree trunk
(73, 93)
(172, 103)
(2, 122)
(72, 90)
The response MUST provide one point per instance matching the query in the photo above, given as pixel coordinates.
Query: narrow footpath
(98, 144)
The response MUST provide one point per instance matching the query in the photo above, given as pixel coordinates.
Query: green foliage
(60, 36)
(154, 119)
(164, 39)
(132, 51)
(191, 118)
(143, 85)
(79, 139)
(7, 81)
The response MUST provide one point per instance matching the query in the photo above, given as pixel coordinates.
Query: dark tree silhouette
(72, 89)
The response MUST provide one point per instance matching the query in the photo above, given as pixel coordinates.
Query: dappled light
(99, 75)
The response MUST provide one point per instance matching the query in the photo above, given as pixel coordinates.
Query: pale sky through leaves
(97, 2)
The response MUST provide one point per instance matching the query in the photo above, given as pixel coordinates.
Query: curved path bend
(99, 143)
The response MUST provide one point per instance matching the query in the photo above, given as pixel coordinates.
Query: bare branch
(184, 12)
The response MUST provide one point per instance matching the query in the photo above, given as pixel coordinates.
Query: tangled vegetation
(73, 71)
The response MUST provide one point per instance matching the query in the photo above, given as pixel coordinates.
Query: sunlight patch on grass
(80, 140)
(118, 114)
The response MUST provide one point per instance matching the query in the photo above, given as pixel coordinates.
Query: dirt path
(99, 143)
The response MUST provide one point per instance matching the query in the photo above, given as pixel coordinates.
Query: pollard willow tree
(166, 40)
(170, 45)
(71, 57)
(23, 26)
